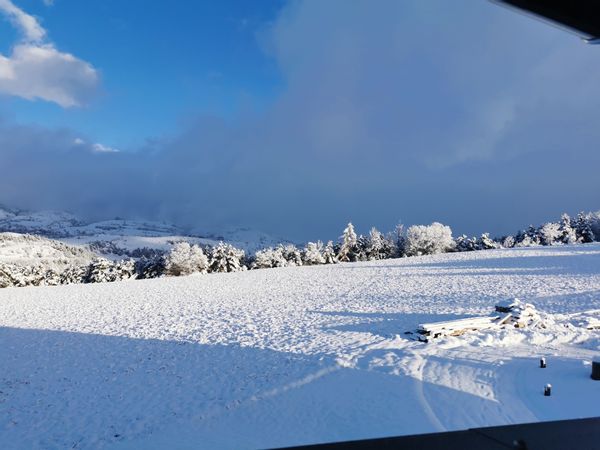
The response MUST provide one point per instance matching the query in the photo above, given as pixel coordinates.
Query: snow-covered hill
(30, 250)
(296, 355)
(124, 236)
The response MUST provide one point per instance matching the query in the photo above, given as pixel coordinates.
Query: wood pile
(509, 313)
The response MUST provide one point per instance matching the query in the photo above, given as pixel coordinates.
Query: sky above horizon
(295, 117)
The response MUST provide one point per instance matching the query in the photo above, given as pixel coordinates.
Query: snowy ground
(295, 355)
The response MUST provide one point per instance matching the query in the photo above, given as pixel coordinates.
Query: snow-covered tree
(226, 258)
(508, 241)
(567, 232)
(292, 255)
(348, 250)
(263, 259)
(583, 229)
(329, 254)
(485, 242)
(150, 266)
(550, 233)
(593, 218)
(465, 244)
(102, 270)
(428, 239)
(313, 254)
(397, 240)
(377, 247)
(185, 259)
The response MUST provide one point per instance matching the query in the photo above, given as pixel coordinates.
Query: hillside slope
(296, 355)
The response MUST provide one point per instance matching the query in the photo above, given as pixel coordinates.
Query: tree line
(185, 258)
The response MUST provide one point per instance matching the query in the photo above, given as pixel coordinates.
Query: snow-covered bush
(226, 258)
(313, 254)
(348, 250)
(185, 259)
(428, 239)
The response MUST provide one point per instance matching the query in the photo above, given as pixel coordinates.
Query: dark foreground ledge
(562, 434)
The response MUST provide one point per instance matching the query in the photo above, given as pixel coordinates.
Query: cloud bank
(415, 111)
(35, 69)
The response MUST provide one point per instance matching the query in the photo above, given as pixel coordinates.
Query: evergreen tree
(313, 254)
(348, 246)
(567, 233)
(292, 255)
(330, 254)
(508, 241)
(583, 229)
(465, 244)
(485, 242)
(226, 258)
(375, 248)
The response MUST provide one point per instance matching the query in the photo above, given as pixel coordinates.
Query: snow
(28, 250)
(126, 234)
(297, 355)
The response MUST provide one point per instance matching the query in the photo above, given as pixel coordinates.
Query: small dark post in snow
(543, 363)
(596, 368)
(548, 390)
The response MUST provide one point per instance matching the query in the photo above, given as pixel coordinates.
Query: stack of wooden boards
(508, 313)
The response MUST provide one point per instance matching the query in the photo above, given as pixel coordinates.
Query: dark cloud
(463, 112)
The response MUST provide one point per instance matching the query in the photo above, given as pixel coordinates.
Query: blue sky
(156, 64)
(296, 117)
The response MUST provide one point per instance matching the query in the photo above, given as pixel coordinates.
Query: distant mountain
(122, 237)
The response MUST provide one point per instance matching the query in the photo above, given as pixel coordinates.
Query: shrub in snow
(226, 258)
(348, 250)
(329, 254)
(428, 239)
(185, 259)
(313, 254)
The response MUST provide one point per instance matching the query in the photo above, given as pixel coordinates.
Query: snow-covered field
(296, 355)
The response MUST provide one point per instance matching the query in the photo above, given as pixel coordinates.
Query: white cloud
(27, 24)
(95, 148)
(48, 2)
(35, 69)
